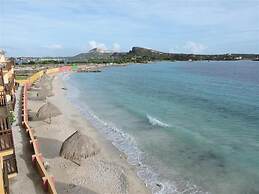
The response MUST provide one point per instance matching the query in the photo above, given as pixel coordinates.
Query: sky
(69, 27)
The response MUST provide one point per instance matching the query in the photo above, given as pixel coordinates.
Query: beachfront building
(7, 79)
(8, 167)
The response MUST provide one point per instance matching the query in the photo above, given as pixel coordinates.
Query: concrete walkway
(27, 181)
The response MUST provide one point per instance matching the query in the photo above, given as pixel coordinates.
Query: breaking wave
(155, 122)
(127, 144)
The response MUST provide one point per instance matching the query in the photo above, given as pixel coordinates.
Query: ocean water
(188, 127)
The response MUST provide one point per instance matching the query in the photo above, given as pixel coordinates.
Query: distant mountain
(144, 51)
(135, 55)
(143, 55)
(95, 53)
(151, 54)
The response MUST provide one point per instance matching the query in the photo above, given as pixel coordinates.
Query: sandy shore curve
(106, 172)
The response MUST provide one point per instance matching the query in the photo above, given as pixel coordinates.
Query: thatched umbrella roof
(77, 147)
(47, 110)
(44, 80)
(43, 88)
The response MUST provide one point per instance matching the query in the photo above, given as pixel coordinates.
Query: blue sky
(67, 27)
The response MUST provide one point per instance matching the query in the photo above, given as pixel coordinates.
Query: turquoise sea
(188, 127)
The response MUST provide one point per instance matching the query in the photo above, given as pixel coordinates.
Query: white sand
(105, 173)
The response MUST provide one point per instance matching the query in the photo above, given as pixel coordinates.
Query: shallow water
(190, 127)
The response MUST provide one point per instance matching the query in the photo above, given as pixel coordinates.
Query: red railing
(37, 158)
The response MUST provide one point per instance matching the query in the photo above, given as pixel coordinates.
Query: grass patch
(21, 77)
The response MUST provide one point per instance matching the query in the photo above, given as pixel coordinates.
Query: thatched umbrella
(43, 93)
(43, 88)
(47, 110)
(43, 80)
(77, 147)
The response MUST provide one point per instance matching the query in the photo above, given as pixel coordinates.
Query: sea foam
(126, 144)
(156, 122)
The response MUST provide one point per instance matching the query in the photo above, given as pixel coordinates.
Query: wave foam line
(156, 122)
(126, 144)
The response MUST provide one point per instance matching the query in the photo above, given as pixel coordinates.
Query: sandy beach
(104, 171)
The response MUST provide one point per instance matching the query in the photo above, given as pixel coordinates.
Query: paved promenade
(27, 181)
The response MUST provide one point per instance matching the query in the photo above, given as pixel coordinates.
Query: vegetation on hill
(143, 55)
(138, 55)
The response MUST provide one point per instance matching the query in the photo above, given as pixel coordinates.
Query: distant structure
(7, 82)
(8, 166)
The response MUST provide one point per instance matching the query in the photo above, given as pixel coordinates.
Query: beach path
(27, 180)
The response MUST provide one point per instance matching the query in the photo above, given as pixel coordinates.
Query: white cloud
(54, 46)
(93, 44)
(116, 47)
(206, 20)
(194, 47)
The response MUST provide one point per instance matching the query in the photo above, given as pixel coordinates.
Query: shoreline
(106, 172)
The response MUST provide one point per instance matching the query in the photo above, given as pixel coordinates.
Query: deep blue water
(191, 127)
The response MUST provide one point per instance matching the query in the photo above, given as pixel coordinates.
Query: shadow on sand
(72, 189)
